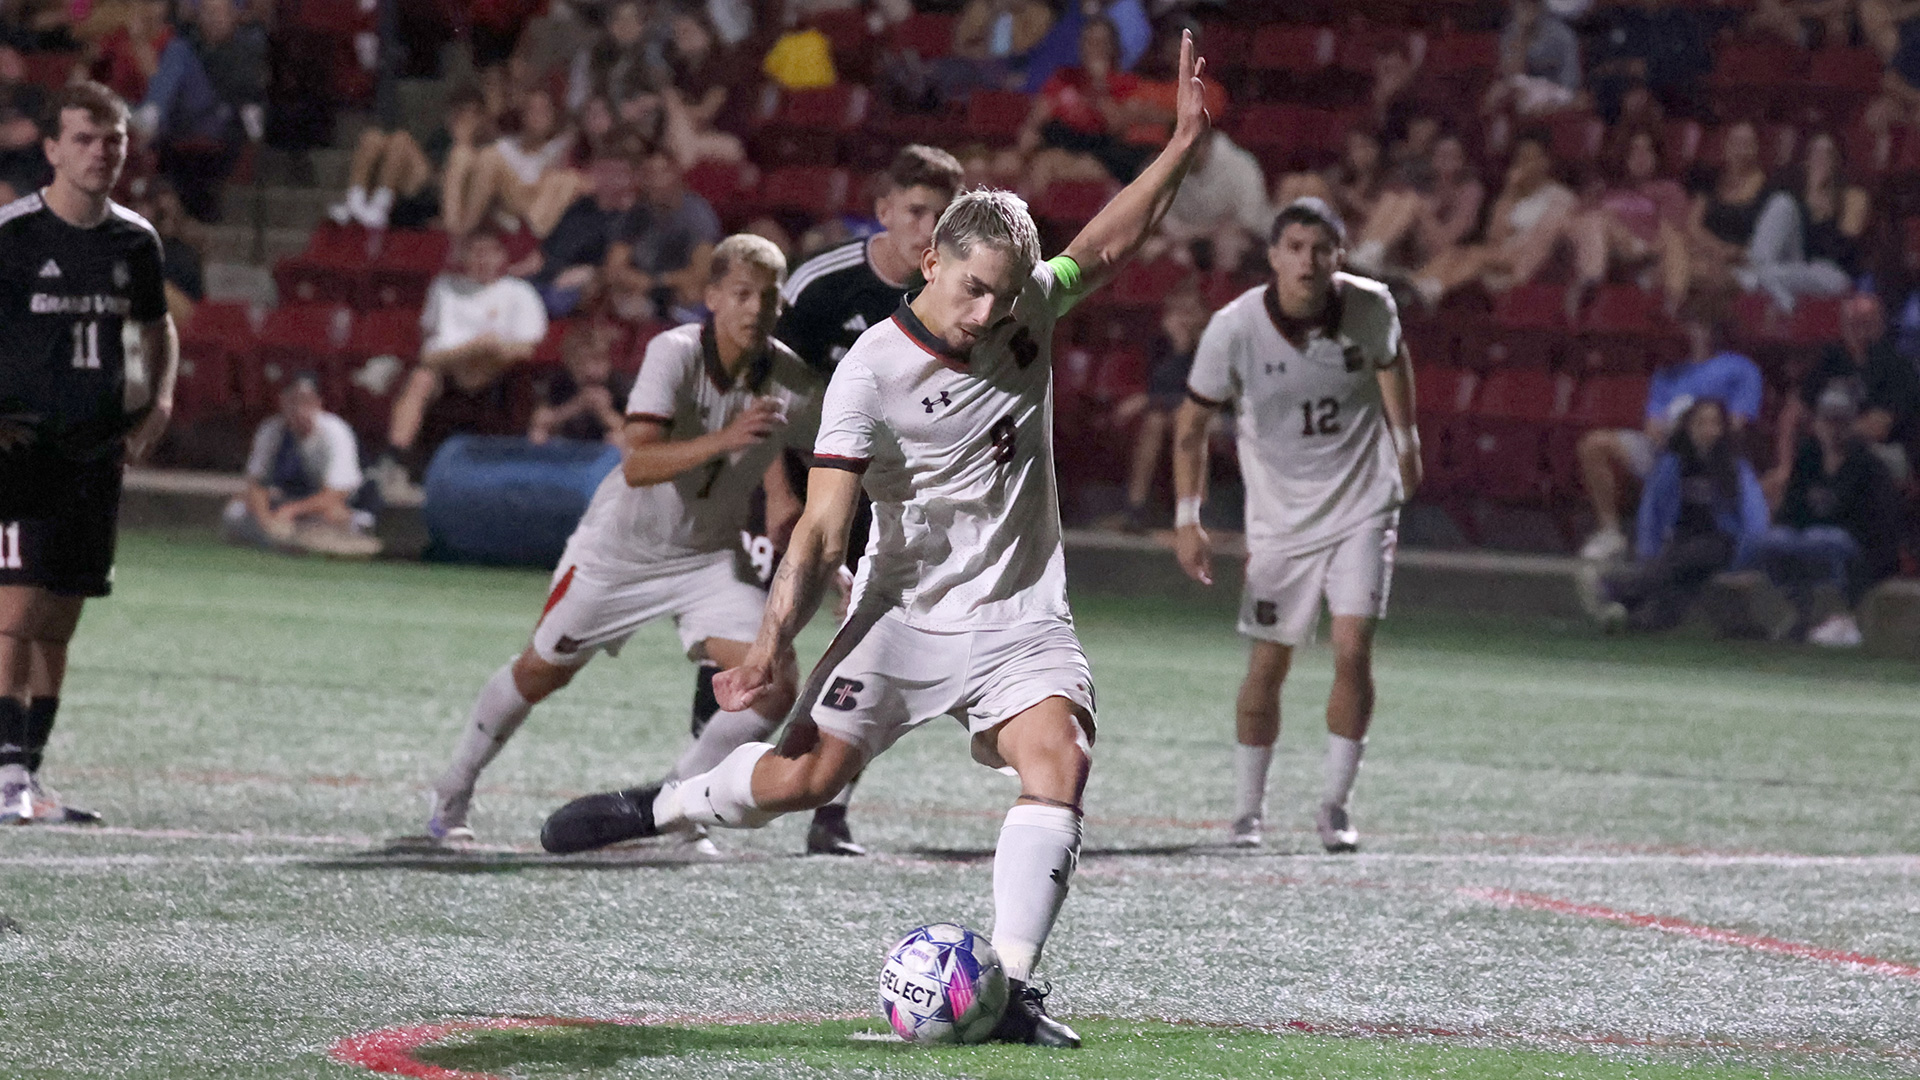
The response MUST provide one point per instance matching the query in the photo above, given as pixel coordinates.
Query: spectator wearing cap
(476, 325)
(303, 477)
(1839, 521)
(1882, 385)
(657, 259)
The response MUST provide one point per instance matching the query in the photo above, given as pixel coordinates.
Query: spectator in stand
(1220, 212)
(584, 400)
(522, 178)
(1526, 228)
(392, 180)
(1806, 24)
(621, 60)
(1711, 371)
(1359, 179)
(1702, 514)
(1077, 127)
(206, 98)
(1182, 318)
(476, 324)
(1723, 220)
(657, 260)
(1415, 223)
(1839, 523)
(303, 479)
(1663, 47)
(23, 166)
(128, 57)
(1060, 49)
(708, 94)
(1632, 225)
(991, 40)
(566, 267)
(1807, 241)
(180, 262)
(1539, 63)
(36, 25)
(1883, 386)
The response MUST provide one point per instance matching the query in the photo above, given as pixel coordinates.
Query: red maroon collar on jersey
(917, 331)
(756, 370)
(1327, 321)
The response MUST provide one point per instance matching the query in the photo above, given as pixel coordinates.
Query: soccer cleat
(1026, 1020)
(48, 806)
(695, 841)
(1337, 833)
(594, 821)
(447, 824)
(1246, 832)
(16, 795)
(829, 835)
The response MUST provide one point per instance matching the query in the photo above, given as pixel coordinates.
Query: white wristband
(1187, 511)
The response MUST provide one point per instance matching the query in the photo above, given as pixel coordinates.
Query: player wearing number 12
(76, 270)
(712, 409)
(1329, 451)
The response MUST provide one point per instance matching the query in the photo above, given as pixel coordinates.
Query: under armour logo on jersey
(52, 269)
(930, 403)
(841, 694)
(1275, 367)
(1024, 348)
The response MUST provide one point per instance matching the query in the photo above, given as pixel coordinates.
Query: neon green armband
(1066, 282)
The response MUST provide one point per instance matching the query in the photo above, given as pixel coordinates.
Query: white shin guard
(723, 795)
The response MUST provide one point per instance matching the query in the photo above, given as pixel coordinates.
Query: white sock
(357, 200)
(1032, 867)
(497, 713)
(724, 733)
(379, 205)
(723, 795)
(1250, 780)
(1340, 768)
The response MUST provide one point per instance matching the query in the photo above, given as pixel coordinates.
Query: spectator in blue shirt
(1712, 371)
(1702, 513)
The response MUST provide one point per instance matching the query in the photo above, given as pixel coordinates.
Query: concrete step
(234, 243)
(279, 207)
(424, 103)
(241, 283)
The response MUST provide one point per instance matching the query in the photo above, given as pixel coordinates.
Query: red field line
(1670, 925)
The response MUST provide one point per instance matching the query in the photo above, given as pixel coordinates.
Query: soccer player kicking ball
(76, 268)
(1329, 451)
(944, 413)
(714, 406)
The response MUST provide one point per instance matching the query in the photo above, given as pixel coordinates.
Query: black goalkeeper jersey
(67, 295)
(831, 300)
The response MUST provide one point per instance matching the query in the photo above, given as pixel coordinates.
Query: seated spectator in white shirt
(302, 479)
(476, 325)
(1222, 202)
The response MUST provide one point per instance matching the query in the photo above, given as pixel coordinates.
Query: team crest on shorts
(841, 694)
(1265, 612)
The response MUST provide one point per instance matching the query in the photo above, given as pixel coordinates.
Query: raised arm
(1119, 229)
(814, 555)
(1396, 396)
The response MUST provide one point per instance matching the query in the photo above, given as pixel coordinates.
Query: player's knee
(536, 679)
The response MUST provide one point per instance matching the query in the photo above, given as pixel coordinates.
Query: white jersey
(635, 530)
(958, 459)
(1315, 452)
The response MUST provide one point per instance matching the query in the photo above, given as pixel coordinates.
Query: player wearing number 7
(943, 414)
(1329, 451)
(712, 409)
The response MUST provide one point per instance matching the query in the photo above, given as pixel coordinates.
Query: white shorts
(882, 678)
(585, 615)
(1281, 602)
(1639, 450)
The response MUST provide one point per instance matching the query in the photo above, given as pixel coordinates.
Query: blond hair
(746, 249)
(997, 219)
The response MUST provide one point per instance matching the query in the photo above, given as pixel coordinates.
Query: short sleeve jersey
(459, 310)
(831, 300)
(957, 455)
(683, 387)
(329, 457)
(68, 294)
(1315, 452)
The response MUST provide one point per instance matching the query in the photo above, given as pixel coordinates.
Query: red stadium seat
(339, 17)
(50, 70)
(1608, 401)
(995, 116)
(925, 34)
(815, 191)
(718, 182)
(1073, 201)
(1625, 328)
(1575, 137)
(1815, 321)
(1442, 398)
(332, 269)
(1226, 47)
(841, 107)
(381, 348)
(845, 28)
(1356, 47)
(1290, 136)
(1295, 49)
(1462, 53)
(408, 261)
(1850, 68)
(293, 338)
(1528, 328)
(1146, 284)
(1502, 447)
(213, 344)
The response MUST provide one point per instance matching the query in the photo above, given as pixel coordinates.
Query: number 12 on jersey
(86, 345)
(1327, 422)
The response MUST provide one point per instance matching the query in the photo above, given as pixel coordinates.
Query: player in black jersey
(76, 269)
(829, 302)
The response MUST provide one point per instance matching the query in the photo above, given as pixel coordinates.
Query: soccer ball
(943, 984)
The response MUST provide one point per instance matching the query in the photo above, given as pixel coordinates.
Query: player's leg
(504, 702)
(1605, 456)
(722, 732)
(1359, 577)
(35, 627)
(16, 667)
(1256, 720)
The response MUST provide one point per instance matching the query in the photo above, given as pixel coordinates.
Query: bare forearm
(161, 343)
(1190, 450)
(657, 462)
(1396, 396)
(329, 504)
(1119, 229)
(798, 588)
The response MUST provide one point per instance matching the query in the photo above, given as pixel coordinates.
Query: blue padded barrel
(501, 500)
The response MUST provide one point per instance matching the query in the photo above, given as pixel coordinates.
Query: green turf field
(1582, 858)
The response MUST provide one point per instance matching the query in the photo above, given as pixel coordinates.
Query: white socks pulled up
(1032, 866)
(723, 795)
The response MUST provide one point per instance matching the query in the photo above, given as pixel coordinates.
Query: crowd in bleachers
(1549, 187)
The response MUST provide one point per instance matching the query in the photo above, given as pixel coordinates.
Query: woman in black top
(1724, 216)
(1807, 240)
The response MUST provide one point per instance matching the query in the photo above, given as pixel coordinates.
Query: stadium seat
(338, 17)
(1146, 284)
(408, 261)
(1292, 49)
(814, 191)
(1431, 341)
(50, 70)
(995, 116)
(294, 338)
(1462, 54)
(332, 269)
(1289, 136)
(1442, 397)
(1625, 328)
(1073, 202)
(1502, 447)
(213, 344)
(721, 183)
(1601, 401)
(925, 34)
(381, 348)
(1575, 137)
(1225, 46)
(1528, 328)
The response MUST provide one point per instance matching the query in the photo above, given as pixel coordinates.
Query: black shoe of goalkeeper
(1026, 1020)
(594, 821)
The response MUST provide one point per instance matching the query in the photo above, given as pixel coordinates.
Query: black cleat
(829, 835)
(594, 821)
(1026, 1020)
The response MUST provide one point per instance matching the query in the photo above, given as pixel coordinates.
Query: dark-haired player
(1329, 451)
(76, 269)
(831, 300)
